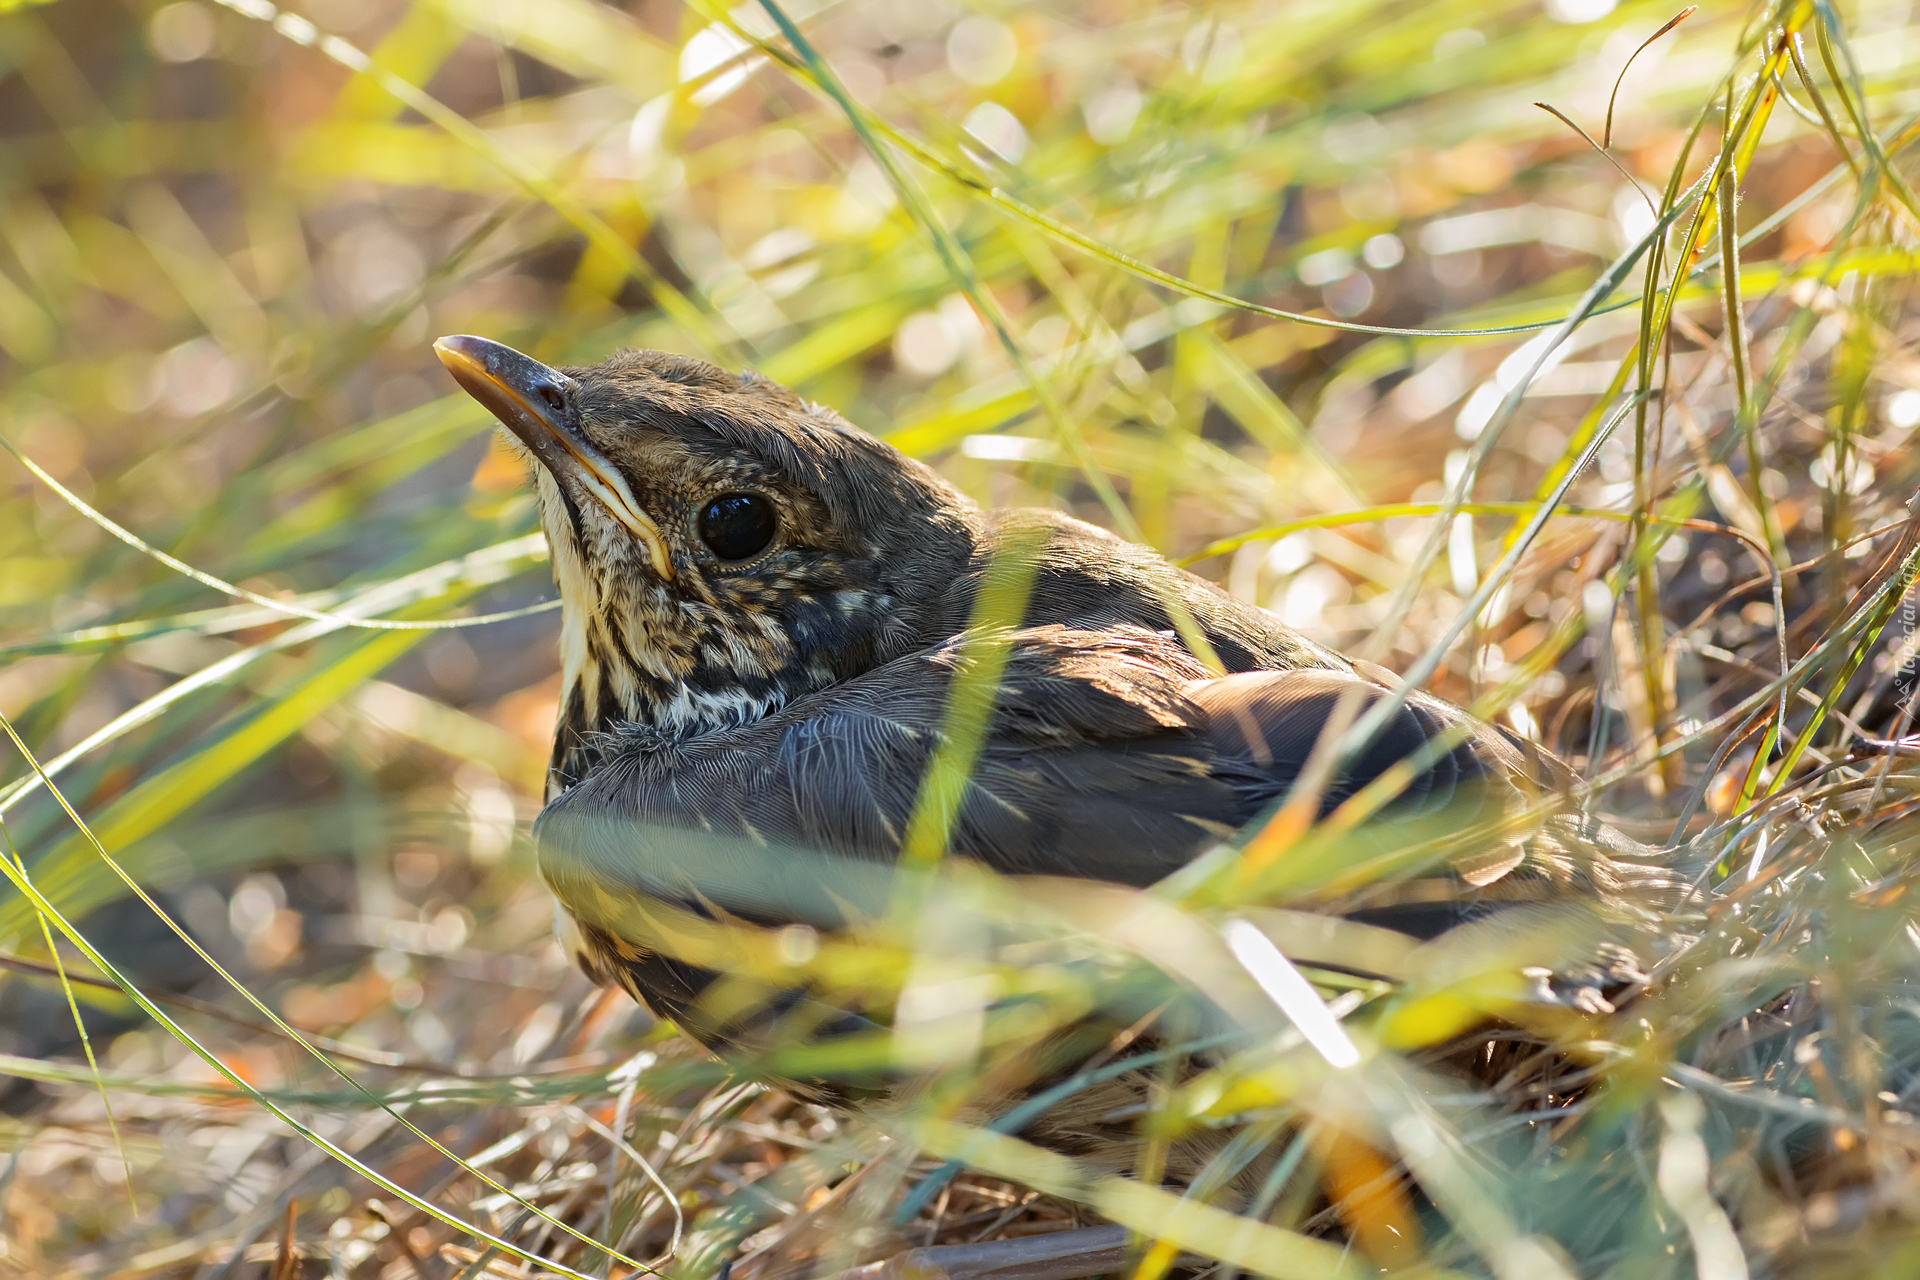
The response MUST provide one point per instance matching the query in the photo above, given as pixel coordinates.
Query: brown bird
(763, 613)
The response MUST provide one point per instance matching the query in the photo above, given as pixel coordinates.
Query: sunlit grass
(1614, 449)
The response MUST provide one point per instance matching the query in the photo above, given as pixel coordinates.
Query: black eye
(737, 526)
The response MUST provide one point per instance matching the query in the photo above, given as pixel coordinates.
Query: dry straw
(1597, 419)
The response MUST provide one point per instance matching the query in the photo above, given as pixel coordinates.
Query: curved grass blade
(1403, 510)
(541, 187)
(959, 266)
(28, 889)
(470, 572)
(59, 967)
(281, 607)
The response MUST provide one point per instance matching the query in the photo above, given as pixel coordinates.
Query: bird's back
(1087, 579)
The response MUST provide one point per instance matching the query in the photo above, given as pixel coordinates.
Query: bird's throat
(624, 671)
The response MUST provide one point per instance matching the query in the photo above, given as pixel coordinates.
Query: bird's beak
(532, 401)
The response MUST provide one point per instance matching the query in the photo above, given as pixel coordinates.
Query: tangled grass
(1606, 436)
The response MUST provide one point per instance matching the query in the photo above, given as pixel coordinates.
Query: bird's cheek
(713, 596)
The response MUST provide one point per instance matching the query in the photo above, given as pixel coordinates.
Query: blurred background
(229, 233)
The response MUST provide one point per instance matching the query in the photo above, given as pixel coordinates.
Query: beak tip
(457, 349)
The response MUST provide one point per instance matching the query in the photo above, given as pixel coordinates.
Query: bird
(767, 612)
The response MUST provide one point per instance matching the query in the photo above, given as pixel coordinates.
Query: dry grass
(227, 239)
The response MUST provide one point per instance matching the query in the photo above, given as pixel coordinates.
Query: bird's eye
(737, 526)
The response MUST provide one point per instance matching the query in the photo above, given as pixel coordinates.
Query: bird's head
(721, 546)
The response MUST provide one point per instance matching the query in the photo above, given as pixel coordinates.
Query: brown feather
(747, 737)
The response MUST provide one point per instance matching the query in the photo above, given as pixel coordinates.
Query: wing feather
(1111, 755)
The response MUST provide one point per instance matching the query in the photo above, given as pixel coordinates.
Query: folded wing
(1110, 755)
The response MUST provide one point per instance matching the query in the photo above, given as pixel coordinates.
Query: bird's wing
(1109, 755)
